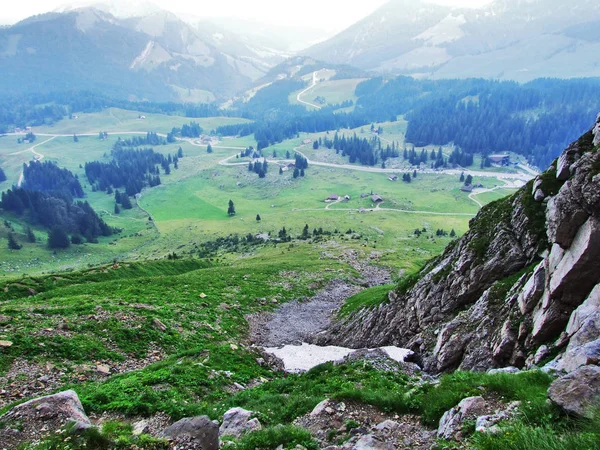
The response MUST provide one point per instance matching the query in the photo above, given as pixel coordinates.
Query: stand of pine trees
(40, 208)
(48, 177)
(130, 169)
(365, 151)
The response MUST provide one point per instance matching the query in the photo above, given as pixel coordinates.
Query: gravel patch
(296, 321)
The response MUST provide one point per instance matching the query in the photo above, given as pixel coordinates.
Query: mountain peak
(122, 10)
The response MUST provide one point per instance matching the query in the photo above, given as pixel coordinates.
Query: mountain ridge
(156, 57)
(421, 39)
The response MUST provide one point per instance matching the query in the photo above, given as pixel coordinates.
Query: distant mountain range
(509, 39)
(155, 56)
(138, 51)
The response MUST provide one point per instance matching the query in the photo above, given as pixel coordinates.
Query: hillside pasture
(115, 120)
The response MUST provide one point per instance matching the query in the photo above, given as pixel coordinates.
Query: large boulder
(237, 421)
(196, 432)
(453, 419)
(577, 393)
(39, 417)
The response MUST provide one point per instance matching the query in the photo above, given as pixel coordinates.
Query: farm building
(393, 178)
(467, 188)
(500, 160)
(376, 198)
(307, 141)
(332, 198)
(346, 197)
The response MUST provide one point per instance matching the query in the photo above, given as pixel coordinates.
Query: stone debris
(103, 369)
(159, 325)
(488, 423)
(361, 426)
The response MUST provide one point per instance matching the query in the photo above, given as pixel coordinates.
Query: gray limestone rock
(452, 420)
(200, 430)
(236, 422)
(577, 393)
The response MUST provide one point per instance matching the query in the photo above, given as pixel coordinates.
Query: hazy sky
(334, 14)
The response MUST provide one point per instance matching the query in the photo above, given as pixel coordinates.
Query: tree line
(131, 169)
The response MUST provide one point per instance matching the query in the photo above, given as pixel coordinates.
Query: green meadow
(333, 91)
(190, 207)
(115, 119)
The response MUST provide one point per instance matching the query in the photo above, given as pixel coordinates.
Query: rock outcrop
(522, 284)
(40, 417)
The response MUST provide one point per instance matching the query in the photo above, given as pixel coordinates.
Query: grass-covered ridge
(369, 298)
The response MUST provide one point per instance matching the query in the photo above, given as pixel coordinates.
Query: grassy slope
(201, 364)
(333, 91)
(115, 119)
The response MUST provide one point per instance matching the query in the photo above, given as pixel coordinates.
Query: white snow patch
(447, 30)
(218, 36)
(396, 353)
(142, 56)
(301, 358)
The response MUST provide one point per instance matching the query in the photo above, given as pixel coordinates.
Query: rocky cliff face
(521, 288)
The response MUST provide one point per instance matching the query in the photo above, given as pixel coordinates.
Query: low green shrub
(288, 436)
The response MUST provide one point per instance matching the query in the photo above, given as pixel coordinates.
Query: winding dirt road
(36, 155)
(511, 180)
(314, 83)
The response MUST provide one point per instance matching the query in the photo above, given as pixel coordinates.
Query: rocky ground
(348, 425)
(25, 379)
(295, 322)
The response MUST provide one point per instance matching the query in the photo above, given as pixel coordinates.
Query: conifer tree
(30, 235)
(305, 232)
(231, 208)
(126, 201)
(258, 219)
(58, 238)
(12, 242)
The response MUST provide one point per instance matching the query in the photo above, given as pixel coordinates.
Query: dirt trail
(313, 84)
